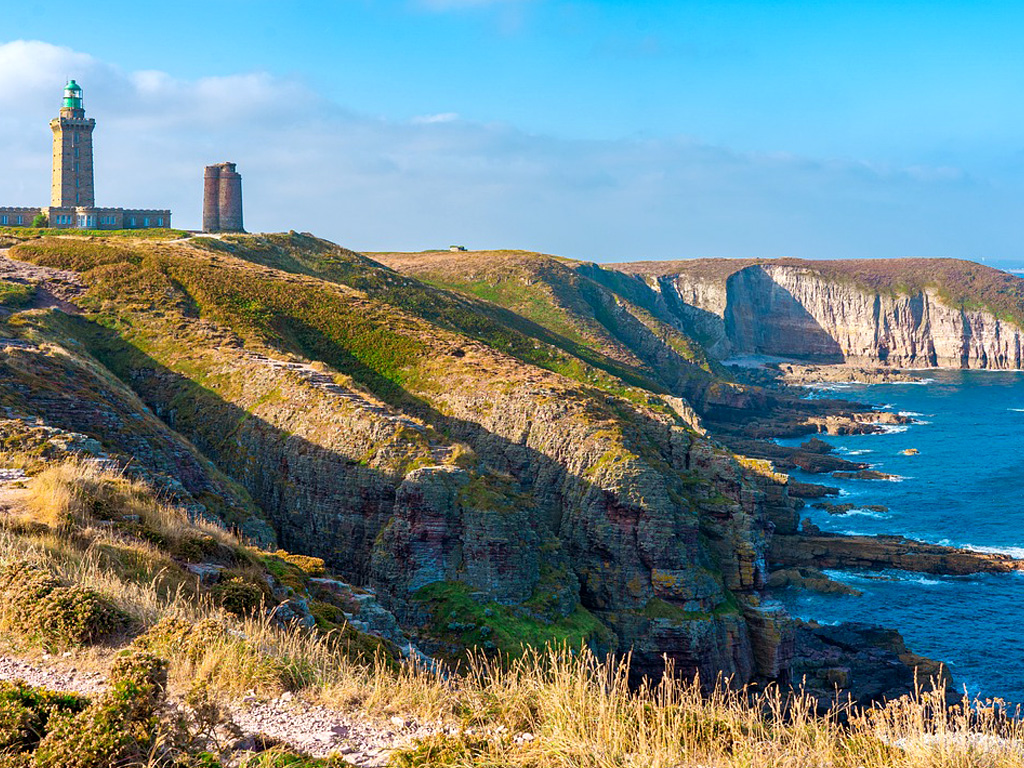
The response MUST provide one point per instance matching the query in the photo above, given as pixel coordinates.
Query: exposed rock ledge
(830, 550)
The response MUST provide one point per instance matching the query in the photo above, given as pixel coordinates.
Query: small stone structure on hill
(73, 192)
(222, 199)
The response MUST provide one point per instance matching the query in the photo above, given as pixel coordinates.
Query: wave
(1016, 410)
(904, 577)
(869, 513)
(1017, 552)
(910, 413)
(893, 429)
(852, 452)
(828, 386)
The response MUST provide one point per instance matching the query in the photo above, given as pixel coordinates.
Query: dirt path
(57, 288)
(305, 727)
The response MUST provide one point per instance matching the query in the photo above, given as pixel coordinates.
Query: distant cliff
(912, 313)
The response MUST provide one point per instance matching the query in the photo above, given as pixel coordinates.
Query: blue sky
(599, 130)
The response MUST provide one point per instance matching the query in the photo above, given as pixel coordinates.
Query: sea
(963, 487)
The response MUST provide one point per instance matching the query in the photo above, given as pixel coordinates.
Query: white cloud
(443, 117)
(375, 184)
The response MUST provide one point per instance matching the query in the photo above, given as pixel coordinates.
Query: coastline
(904, 569)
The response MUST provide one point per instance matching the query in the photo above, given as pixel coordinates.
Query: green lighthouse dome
(72, 95)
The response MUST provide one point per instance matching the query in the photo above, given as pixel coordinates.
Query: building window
(3, 220)
(76, 155)
(19, 220)
(145, 222)
(160, 221)
(133, 221)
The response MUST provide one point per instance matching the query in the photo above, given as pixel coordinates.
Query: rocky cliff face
(802, 312)
(448, 454)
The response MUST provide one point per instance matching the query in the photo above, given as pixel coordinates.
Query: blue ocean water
(965, 487)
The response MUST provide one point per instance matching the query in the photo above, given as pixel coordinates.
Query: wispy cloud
(443, 117)
(309, 164)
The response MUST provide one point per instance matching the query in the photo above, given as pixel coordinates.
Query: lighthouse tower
(72, 153)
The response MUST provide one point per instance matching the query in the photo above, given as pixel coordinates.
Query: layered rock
(417, 454)
(805, 312)
(830, 550)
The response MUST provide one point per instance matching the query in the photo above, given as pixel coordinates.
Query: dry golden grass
(556, 707)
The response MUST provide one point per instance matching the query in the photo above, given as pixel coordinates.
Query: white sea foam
(910, 413)
(869, 513)
(1017, 552)
(893, 429)
(829, 386)
(1016, 410)
(858, 452)
(923, 580)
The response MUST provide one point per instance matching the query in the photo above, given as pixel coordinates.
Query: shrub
(40, 220)
(441, 750)
(57, 616)
(284, 758)
(25, 713)
(121, 725)
(238, 596)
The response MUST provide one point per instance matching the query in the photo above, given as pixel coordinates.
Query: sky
(602, 130)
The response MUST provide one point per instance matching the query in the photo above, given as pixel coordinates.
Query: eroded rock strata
(908, 313)
(818, 549)
(513, 452)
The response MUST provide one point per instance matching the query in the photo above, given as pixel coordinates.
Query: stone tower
(72, 153)
(222, 199)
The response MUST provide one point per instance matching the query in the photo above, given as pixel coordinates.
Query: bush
(284, 758)
(40, 220)
(239, 597)
(121, 725)
(54, 615)
(25, 714)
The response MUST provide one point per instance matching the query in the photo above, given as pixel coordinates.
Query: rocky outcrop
(828, 550)
(861, 663)
(797, 311)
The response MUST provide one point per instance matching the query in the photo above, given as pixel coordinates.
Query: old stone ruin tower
(222, 199)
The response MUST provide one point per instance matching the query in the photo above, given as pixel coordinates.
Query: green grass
(457, 616)
(559, 348)
(142, 234)
(16, 295)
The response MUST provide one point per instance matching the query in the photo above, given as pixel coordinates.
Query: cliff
(494, 480)
(912, 313)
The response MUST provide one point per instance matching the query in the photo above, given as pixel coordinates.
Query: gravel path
(68, 680)
(319, 731)
(305, 727)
